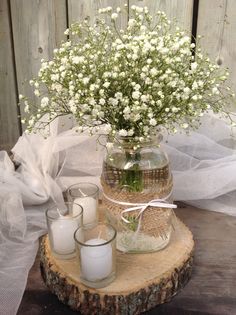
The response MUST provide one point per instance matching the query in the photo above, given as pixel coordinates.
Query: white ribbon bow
(158, 203)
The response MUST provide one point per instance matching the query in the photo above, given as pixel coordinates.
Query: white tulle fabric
(203, 165)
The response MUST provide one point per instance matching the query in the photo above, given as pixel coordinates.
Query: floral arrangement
(132, 80)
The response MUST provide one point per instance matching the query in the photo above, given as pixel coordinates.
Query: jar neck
(133, 143)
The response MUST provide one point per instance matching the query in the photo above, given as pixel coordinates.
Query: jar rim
(132, 141)
(91, 226)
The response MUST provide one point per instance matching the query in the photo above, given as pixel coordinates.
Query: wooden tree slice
(143, 280)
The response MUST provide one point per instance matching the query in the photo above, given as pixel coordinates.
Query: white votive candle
(89, 206)
(96, 262)
(62, 233)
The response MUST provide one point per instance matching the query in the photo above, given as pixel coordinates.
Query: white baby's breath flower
(127, 110)
(144, 98)
(114, 16)
(118, 95)
(107, 128)
(57, 87)
(137, 87)
(195, 85)
(153, 122)
(123, 133)
(102, 101)
(64, 60)
(44, 102)
(92, 101)
(36, 93)
(55, 77)
(164, 50)
(72, 106)
(143, 28)
(194, 66)
(106, 84)
(62, 68)
(131, 22)
(113, 101)
(31, 122)
(143, 75)
(26, 108)
(148, 81)
(185, 125)
(78, 59)
(139, 9)
(85, 80)
(136, 95)
(200, 83)
(174, 109)
(215, 91)
(130, 132)
(92, 87)
(101, 92)
(153, 72)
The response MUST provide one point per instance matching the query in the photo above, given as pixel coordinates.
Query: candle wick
(82, 193)
(58, 211)
(99, 234)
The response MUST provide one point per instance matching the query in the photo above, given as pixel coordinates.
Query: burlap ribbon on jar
(140, 211)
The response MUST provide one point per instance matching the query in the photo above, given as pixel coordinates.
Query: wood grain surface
(38, 28)
(79, 10)
(211, 290)
(216, 25)
(9, 129)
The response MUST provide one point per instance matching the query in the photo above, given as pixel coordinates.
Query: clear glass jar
(136, 173)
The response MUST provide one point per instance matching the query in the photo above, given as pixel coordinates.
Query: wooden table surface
(211, 290)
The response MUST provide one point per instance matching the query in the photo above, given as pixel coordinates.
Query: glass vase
(137, 184)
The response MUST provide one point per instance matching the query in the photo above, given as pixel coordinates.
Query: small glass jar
(135, 173)
(61, 228)
(96, 248)
(86, 195)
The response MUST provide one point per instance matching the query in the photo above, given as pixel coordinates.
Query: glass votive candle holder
(86, 195)
(96, 250)
(62, 224)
